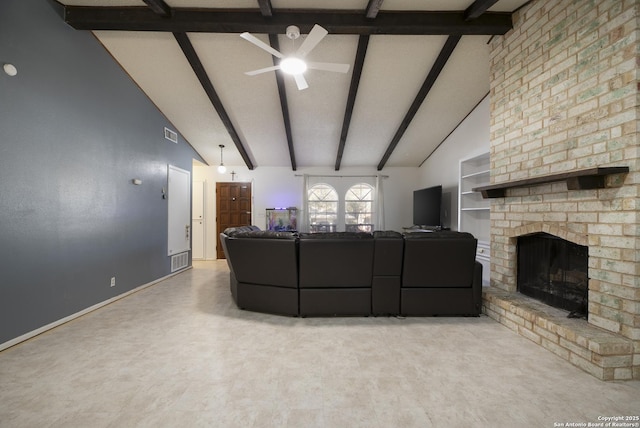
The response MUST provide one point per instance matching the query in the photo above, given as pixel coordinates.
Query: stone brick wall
(564, 97)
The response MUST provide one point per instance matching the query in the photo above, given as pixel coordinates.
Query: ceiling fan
(295, 64)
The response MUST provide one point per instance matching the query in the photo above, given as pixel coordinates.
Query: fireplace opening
(555, 272)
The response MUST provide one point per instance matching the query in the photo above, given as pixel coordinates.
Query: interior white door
(179, 194)
(197, 241)
(198, 200)
(197, 220)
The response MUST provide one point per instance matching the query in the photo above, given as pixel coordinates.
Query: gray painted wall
(74, 132)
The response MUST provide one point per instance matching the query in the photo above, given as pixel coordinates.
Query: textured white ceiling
(395, 68)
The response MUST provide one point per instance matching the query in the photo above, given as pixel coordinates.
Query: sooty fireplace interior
(554, 271)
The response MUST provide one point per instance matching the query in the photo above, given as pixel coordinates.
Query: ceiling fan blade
(328, 66)
(300, 81)
(259, 43)
(262, 70)
(316, 34)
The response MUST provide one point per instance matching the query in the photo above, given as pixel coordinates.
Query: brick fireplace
(564, 98)
(554, 271)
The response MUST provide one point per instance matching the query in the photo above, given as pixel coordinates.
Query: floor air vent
(179, 261)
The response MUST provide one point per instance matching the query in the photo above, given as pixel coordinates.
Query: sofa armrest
(223, 242)
(477, 286)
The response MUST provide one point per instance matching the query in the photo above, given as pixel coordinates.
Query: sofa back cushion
(342, 260)
(438, 259)
(264, 260)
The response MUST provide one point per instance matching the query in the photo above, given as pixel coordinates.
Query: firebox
(554, 271)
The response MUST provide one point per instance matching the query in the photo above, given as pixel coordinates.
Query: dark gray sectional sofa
(354, 274)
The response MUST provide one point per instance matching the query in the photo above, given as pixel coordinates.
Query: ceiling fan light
(293, 65)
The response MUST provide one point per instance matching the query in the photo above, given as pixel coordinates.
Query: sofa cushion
(268, 299)
(438, 301)
(335, 301)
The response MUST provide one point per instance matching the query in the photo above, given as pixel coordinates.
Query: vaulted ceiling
(417, 68)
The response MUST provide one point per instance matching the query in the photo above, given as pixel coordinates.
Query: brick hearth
(564, 97)
(606, 355)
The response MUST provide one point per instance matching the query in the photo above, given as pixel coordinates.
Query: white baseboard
(66, 319)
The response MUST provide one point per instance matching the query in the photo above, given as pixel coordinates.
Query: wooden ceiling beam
(265, 7)
(198, 69)
(477, 8)
(159, 7)
(358, 64)
(273, 39)
(371, 12)
(437, 67)
(252, 20)
(373, 7)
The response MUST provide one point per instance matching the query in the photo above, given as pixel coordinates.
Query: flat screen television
(426, 206)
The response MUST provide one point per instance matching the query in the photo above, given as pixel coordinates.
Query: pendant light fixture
(221, 168)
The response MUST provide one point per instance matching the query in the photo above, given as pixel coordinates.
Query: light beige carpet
(180, 354)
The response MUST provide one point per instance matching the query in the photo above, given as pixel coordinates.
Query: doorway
(233, 208)
(179, 206)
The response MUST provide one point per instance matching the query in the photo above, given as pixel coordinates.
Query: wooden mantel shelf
(592, 178)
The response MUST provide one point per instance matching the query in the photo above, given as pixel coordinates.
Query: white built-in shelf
(474, 210)
(476, 174)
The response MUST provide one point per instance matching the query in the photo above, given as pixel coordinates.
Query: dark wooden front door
(233, 208)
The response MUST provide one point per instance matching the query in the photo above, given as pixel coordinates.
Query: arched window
(359, 208)
(323, 208)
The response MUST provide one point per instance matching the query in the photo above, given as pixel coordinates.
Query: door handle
(187, 227)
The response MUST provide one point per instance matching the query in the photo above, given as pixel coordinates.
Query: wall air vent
(179, 261)
(171, 135)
